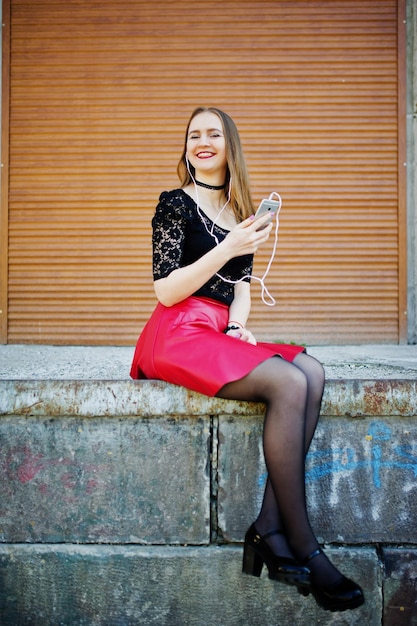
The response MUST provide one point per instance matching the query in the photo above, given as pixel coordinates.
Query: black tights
(292, 393)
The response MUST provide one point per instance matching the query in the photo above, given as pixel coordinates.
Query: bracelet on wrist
(232, 327)
(232, 323)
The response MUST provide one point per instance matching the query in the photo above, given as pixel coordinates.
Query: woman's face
(206, 145)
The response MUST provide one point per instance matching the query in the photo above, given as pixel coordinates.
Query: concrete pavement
(39, 362)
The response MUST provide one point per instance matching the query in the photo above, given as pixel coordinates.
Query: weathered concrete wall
(108, 480)
(153, 481)
(361, 479)
(122, 503)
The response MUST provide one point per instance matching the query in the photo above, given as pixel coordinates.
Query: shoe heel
(252, 562)
(304, 590)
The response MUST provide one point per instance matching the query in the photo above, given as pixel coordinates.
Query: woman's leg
(284, 388)
(314, 373)
(269, 518)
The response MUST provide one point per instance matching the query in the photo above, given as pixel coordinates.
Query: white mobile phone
(267, 206)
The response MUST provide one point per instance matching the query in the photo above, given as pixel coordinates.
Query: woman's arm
(182, 282)
(239, 312)
(240, 308)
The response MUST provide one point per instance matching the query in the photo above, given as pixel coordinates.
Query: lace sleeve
(248, 267)
(168, 234)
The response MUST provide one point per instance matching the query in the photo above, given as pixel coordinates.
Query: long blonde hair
(240, 195)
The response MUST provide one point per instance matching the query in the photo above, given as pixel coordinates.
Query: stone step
(67, 585)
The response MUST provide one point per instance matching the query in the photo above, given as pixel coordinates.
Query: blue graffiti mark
(338, 460)
(379, 431)
(376, 465)
(341, 460)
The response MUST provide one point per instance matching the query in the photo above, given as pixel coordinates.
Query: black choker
(212, 187)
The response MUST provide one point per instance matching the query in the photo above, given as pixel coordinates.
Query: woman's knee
(312, 368)
(285, 380)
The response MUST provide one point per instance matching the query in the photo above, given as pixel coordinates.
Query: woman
(204, 239)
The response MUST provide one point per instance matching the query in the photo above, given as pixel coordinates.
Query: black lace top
(180, 237)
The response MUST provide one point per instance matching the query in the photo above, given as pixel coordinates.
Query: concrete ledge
(95, 398)
(133, 586)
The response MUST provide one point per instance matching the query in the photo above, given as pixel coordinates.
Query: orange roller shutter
(100, 95)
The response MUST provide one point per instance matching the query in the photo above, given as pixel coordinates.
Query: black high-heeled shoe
(339, 596)
(256, 553)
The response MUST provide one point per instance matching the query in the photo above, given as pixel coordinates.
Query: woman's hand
(245, 237)
(243, 334)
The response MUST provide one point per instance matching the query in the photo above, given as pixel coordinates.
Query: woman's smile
(205, 155)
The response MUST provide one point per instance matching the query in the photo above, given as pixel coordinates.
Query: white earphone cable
(264, 290)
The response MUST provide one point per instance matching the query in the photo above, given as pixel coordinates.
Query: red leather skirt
(185, 345)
